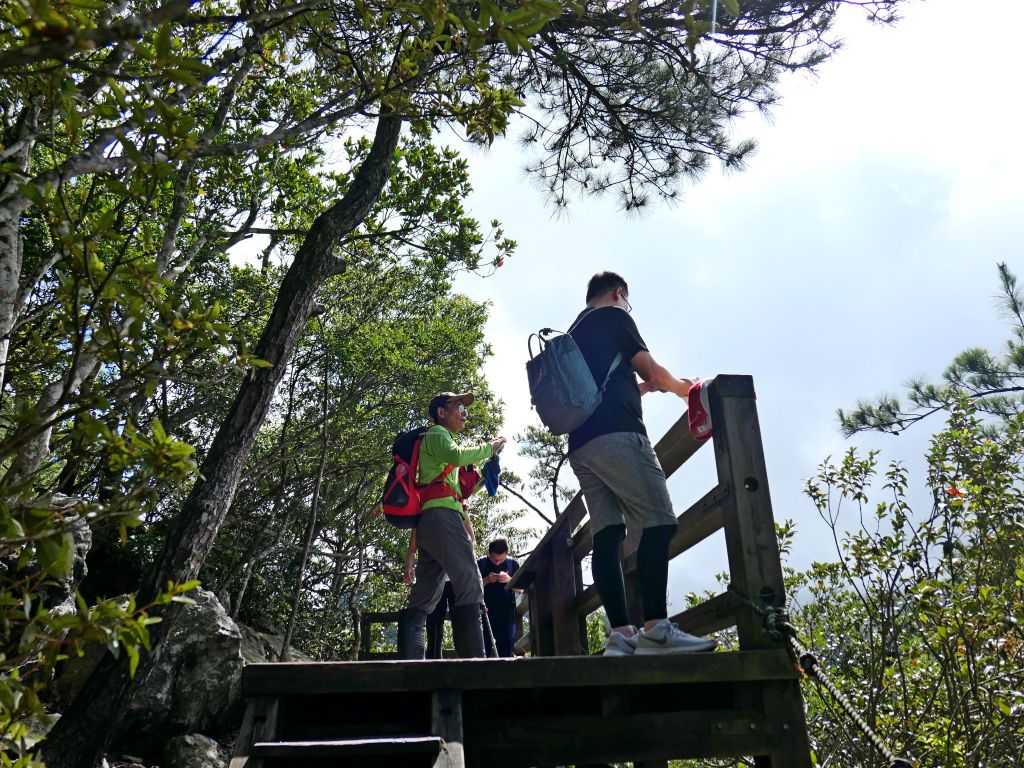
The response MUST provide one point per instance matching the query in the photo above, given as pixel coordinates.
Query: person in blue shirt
(496, 570)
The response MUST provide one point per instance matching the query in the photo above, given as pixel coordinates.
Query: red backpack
(403, 497)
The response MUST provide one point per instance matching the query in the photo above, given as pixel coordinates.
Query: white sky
(857, 249)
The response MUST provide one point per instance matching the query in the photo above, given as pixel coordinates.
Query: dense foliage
(920, 617)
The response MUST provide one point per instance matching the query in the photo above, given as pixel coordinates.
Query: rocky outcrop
(261, 647)
(193, 685)
(192, 750)
(195, 680)
(63, 595)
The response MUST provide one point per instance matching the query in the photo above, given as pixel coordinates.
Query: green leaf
(32, 192)
(56, 554)
(133, 658)
(163, 42)
(732, 7)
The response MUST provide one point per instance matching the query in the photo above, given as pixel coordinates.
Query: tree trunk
(11, 246)
(79, 737)
(314, 509)
(34, 450)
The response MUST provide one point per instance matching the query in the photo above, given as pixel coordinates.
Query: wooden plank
(581, 620)
(701, 520)
(531, 601)
(563, 528)
(259, 724)
(364, 638)
(446, 723)
(528, 741)
(754, 564)
(710, 616)
(380, 617)
(421, 745)
(783, 699)
(494, 674)
(677, 446)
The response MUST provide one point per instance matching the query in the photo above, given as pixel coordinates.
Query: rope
(777, 627)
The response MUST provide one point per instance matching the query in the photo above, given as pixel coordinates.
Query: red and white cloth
(698, 410)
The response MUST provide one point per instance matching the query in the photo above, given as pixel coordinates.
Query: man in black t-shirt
(620, 475)
(496, 570)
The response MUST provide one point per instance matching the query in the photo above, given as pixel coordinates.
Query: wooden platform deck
(530, 712)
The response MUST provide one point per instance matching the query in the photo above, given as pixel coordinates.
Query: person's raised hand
(497, 444)
(688, 384)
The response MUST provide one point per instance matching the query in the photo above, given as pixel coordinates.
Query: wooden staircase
(559, 707)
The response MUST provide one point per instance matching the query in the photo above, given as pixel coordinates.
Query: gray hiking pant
(443, 546)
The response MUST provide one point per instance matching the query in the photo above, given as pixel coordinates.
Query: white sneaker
(665, 638)
(620, 645)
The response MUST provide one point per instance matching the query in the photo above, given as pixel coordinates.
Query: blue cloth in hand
(492, 475)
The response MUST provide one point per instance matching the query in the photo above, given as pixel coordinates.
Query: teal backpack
(562, 389)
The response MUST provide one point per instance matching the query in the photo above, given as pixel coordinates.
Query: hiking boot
(665, 637)
(620, 645)
(412, 624)
(467, 631)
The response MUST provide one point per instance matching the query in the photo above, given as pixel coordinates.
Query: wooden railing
(739, 504)
(366, 622)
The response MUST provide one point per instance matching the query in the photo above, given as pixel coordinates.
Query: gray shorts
(622, 482)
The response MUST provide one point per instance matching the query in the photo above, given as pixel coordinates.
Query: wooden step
(418, 745)
(298, 679)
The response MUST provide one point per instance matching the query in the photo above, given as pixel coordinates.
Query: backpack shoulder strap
(444, 473)
(611, 369)
(580, 319)
(618, 355)
(415, 464)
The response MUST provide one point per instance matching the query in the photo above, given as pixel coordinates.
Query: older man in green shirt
(444, 535)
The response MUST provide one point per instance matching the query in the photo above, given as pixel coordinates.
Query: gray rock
(60, 595)
(39, 725)
(195, 682)
(262, 647)
(192, 750)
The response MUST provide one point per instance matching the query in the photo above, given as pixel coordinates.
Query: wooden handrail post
(364, 637)
(565, 619)
(542, 620)
(754, 565)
